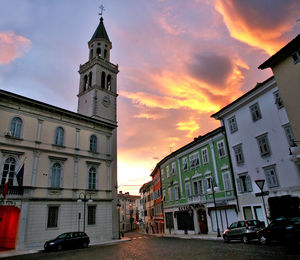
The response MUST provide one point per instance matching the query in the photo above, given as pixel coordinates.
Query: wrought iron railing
(13, 190)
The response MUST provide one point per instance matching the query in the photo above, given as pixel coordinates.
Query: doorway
(9, 222)
(202, 221)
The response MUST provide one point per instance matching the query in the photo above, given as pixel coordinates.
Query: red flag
(5, 188)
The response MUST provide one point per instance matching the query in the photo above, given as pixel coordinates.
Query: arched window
(16, 127)
(59, 136)
(92, 178)
(103, 79)
(98, 52)
(105, 54)
(85, 80)
(91, 54)
(55, 175)
(109, 82)
(9, 168)
(90, 79)
(93, 143)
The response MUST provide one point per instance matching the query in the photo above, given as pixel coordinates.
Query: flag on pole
(5, 188)
(20, 175)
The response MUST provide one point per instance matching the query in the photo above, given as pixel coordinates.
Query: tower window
(90, 79)
(85, 79)
(109, 82)
(91, 54)
(103, 79)
(98, 51)
(105, 53)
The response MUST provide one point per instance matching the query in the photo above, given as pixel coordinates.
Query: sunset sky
(180, 61)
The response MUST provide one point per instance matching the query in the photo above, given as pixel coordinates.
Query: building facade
(259, 132)
(285, 65)
(61, 166)
(158, 215)
(197, 187)
(129, 211)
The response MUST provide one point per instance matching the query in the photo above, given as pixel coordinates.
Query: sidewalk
(209, 236)
(15, 252)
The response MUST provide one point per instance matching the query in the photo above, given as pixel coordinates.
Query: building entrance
(202, 221)
(9, 222)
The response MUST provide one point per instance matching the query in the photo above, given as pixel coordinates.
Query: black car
(68, 240)
(243, 230)
(282, 229)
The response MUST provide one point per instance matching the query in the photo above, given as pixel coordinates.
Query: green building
(198, 188)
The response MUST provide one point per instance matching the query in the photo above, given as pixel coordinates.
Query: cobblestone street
(144, 246)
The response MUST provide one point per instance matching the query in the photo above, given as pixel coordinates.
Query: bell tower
(98, 79)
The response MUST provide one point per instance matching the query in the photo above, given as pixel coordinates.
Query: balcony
(200, 198)
(13, 190)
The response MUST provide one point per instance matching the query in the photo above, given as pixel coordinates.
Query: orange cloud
(191, 126)
(12, 46)
(260, 24)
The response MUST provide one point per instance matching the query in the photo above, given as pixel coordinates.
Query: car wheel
(245, 239)
(85, 244)
(263, 240)
(59, 247)
(226, 239)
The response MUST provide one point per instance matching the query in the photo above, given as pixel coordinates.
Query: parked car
(68, 240)
(243, 230)
(286, 230)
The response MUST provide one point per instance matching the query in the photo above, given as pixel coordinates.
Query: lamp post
(85, 200)
(119, 211)
(213, 192)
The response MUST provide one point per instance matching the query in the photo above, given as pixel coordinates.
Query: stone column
(75, 177)
(77, 138)
(108, 176)
(36, 155)
(39, 130)
(196, 222)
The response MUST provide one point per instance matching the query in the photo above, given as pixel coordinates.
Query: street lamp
(119, 209)
(213, 192)
(84, 199)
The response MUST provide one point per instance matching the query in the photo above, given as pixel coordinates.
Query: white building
(258, 133)
(67, 156)
(129, 211)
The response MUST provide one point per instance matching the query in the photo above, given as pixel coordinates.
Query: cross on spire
(102, 9)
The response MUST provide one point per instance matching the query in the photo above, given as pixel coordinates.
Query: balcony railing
(13, 190)
(196, 198)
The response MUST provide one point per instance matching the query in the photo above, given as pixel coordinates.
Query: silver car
(243, 230)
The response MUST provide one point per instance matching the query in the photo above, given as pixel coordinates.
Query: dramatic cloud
(212, 68)
(261, 24)
(12, 46)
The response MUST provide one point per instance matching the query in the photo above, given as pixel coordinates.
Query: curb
(16, 252)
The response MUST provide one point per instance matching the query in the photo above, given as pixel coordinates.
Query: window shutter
(248, 183)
